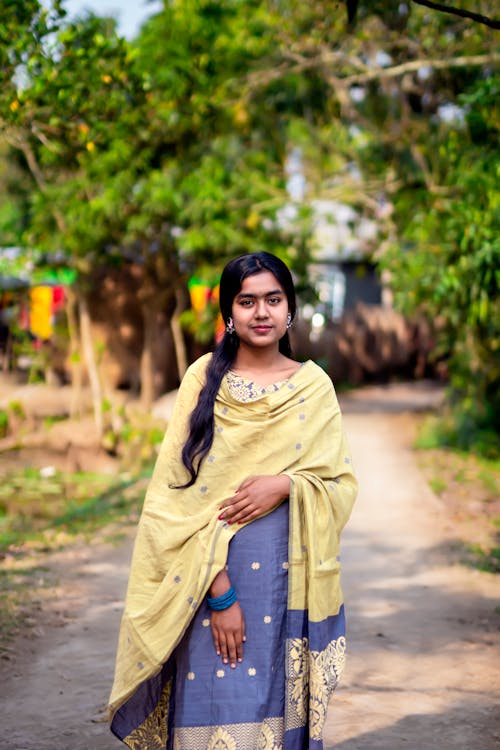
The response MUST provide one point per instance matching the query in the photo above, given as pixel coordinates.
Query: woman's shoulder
(198, 368)
(316, 372)
(318, 378)
(194, 378)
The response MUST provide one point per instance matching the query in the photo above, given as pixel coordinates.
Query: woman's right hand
(228, 631)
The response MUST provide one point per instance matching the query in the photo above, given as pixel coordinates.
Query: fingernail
(225, 661)
(221, 518)
(240, 660)
(244, 637)
(233, 666)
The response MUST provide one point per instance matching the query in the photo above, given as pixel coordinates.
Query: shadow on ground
(427, 731)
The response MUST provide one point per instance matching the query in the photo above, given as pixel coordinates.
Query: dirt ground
(422, 671)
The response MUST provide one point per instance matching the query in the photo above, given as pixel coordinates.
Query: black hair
(201, 421)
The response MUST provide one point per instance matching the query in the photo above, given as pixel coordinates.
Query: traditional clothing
(170, 689)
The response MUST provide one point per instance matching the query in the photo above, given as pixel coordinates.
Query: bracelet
(219, 603)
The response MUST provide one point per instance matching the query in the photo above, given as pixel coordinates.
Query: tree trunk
(75, 354)
(149, 314)
(178, 336)
(90, 362)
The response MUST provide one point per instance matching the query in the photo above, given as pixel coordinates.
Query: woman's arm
(220, 584)
(228, 625)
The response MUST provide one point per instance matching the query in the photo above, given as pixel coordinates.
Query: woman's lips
(261, 329)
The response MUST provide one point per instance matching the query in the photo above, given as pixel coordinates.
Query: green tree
(147, 153)
(448, 262)
(416, 93)
(62, 86)
(171, 151)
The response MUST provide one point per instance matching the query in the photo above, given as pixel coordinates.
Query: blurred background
(142, 146)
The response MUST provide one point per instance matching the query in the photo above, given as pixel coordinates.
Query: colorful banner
(45, 301)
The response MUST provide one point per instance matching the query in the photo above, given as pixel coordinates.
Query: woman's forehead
(261, 284)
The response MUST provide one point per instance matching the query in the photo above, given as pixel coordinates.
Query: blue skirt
(219, 708)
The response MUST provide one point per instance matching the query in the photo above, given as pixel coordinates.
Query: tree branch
(429, 182)
(325, 56)
(17, 140)
(42, 138)
(398, 70)
(341, 83)
(493, 23)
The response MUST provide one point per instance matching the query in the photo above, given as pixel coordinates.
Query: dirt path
(54, 691)
(421, 671)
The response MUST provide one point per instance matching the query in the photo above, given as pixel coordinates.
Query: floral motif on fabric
(265, 735)
(313, 676)
(268, 739)
(152, 733)
(298, 676)
(221, 740)
(245, 390)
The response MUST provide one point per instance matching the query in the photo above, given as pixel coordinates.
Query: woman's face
(260, 311)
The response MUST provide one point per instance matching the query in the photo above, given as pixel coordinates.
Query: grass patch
(438, 485)
(39, 514)
(39, 508)
(451, 431)
(487, 560)
(468, 484)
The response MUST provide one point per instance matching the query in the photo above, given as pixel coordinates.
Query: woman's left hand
(255, 497)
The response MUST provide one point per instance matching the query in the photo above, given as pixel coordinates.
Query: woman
(233, 631)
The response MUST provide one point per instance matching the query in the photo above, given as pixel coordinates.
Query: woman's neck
(264, 366)
(258, 360)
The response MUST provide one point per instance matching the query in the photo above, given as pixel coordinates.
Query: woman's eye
(274, 300)
(246, 302)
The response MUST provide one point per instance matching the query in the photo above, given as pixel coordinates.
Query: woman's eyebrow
(245, 295)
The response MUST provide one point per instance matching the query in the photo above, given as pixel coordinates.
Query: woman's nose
(261, 310)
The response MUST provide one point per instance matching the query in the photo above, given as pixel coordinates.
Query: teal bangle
(219, 603)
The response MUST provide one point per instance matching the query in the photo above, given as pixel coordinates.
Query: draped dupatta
(181, 545)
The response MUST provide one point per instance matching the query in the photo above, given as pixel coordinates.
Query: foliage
(124, 147)
(142, 153)
(448, 430)
(24, 31)
(203, 324)
(137, 442)
(14, 199)
(4, 422)
(449, 264)
(171, 151)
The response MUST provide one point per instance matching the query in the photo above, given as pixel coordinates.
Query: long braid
(201, 421)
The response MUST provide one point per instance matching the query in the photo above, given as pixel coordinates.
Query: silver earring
(289, 320)
(230, 326)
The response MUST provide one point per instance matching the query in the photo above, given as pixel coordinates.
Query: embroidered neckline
(244, 389)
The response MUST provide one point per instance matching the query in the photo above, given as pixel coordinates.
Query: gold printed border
(312, 676)
(152, 733)
(266, 735)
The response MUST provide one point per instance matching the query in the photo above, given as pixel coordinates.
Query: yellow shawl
(181, 545)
